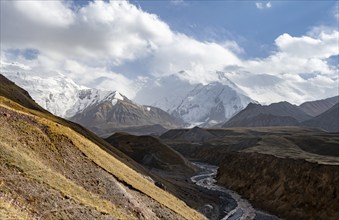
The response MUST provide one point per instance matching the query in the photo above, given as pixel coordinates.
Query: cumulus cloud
(297, 55)
(297, 71)
(93, 43)
(106, 34)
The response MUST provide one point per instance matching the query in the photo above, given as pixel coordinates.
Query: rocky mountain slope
(117, 111)
(51, 168)
(276, 114)
(315, 108)
(328, 121)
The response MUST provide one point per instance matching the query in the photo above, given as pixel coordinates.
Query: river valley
(232, 206)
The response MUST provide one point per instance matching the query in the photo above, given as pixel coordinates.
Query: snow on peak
(196, 104)
(55, 92)
(118, 96)
(214, 102)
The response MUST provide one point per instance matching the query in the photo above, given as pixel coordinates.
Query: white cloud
(35, 11)
(278, 76)
(106, 34)
(295, 55)
(92, 42)
(262, 5)
(268, 5)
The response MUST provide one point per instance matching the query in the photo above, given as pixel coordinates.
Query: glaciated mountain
(166, 92)
(211, 103)
(117, 111)
(57, 93)
(196, 104)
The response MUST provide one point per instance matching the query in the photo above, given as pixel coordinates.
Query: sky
(111, 44)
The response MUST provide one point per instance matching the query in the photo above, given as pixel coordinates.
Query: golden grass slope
(46, 165)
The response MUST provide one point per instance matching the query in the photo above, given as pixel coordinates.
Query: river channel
(232, 205)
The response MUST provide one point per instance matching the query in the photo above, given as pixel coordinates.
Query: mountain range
(188, 104)
(163, 103)
(286, 114)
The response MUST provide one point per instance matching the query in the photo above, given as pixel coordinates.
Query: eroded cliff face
(290, 188)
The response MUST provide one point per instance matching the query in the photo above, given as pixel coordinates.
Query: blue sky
(113, 44)
(252, 28)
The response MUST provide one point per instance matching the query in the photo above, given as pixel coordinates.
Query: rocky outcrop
(290, 188)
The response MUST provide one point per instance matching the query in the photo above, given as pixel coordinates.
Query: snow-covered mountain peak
(54, 92)
(211, 103)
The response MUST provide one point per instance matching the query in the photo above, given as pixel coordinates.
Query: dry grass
(8, 211)
(34, 167)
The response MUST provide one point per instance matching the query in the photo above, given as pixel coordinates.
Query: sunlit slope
(50, 168)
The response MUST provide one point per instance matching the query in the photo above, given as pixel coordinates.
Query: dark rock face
(328, 121)
(293, 189)
(318, 107)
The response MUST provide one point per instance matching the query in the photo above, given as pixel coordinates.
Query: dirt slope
(53, 169)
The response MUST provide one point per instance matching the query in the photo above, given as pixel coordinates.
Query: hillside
(315, 108)
(276, 114)
(150, 152)
(53, 169)
(328, 121)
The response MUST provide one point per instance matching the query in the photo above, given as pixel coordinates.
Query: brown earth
(291, 188)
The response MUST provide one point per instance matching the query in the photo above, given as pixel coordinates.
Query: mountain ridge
(275, 114)
(117, 111)
(317, 107)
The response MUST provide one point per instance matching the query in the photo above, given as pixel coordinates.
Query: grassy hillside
(53, 169)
